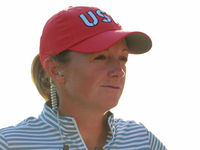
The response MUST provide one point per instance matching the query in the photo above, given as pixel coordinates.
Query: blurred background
(162, 86)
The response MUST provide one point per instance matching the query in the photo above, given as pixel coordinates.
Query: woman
(82, 63)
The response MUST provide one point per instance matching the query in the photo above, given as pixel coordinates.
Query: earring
(59, 72)
(53, 95)
(54, 107)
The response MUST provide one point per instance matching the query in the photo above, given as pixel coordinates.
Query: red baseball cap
(87, 30)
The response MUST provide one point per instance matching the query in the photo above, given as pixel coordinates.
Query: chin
(110, 103)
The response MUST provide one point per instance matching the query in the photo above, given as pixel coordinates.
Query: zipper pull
(66, 147)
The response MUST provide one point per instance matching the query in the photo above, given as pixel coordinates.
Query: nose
(116, 70)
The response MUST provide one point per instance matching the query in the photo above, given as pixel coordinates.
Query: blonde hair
(40, 77)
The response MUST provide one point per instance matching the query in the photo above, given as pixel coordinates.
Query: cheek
(98, 73)
(84, 78)
(94, 77)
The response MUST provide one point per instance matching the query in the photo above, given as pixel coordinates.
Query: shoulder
(129, 135)
(29, 125)
(8, 133)
(131, 128)
(21, 132)
(137, 132)
(19, 125)
(25, 124)
(129, 125)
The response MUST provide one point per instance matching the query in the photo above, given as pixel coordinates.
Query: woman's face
(96, 80)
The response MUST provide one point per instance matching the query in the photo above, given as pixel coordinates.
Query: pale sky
(162, 88)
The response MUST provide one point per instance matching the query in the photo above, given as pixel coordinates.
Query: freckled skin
(95, 80)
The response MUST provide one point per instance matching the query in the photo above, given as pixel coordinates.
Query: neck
(92, 124)
(91, 118)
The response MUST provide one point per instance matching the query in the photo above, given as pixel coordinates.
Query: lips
(111, 86)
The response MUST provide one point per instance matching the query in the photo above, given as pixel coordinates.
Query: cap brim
(137, 42)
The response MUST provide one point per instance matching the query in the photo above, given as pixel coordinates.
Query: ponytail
(40, 78)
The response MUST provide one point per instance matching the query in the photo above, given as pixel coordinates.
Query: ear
(53, 71)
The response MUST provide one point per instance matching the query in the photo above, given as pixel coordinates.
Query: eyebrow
(125, 50)
(122, 50)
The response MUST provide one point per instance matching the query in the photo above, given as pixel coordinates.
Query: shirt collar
(67, 124)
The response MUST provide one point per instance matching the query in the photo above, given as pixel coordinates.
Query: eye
(125, 59)
(101, 57)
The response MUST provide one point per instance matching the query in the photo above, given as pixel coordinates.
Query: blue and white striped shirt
(42, 133)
